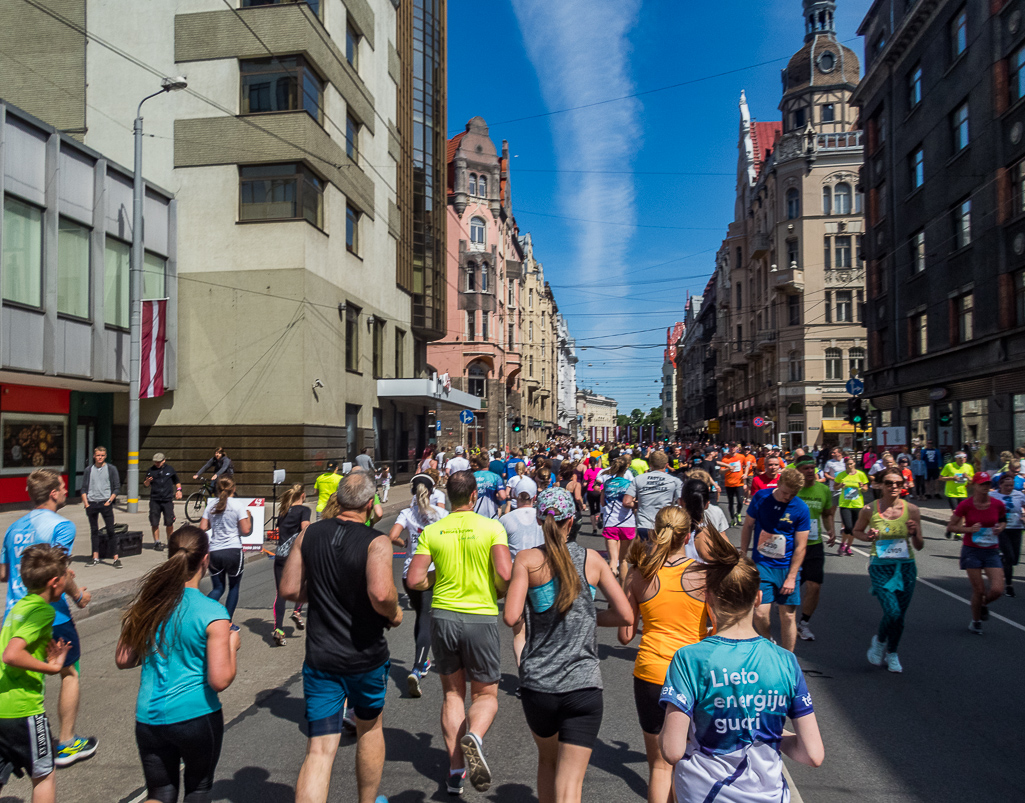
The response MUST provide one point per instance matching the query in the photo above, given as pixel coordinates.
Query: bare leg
(569, 776)
(810, 597)
(156, 534)
(453, 716)
(996, 584)
(315, 775)
(369, 757)
(978, 592)
(547, 766)
(613, 545)
(67, 706)
(483, 707)
(44, 790)
(788, 627)
(660, 774)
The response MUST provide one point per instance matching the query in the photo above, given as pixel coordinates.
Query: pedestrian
(173, 631)
(427, 460)
(421, 513)
(344, 569)
(619, 521)
(894, 528)
(1010, 537)
(981, 519)
(29, 654)
(291, 524)
(164, 488)
(227, 521)
(364, 461)
(776, 528)
(720, 734)
(817, 496)
(648, 493)
(100, 484)
(220, 463)
(491, 494)
(919, 474)
(470, 553)
(384, 482)
(552, 591)
(955, 477)
(852, 483)
(326, 484)
(523, 532)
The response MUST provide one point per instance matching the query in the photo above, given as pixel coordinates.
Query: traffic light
(517, 424)
(856, 412)
(946, 417)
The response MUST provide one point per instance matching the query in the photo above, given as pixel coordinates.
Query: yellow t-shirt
(638, 466)
(957, 490)
(460, 546)
(326, 485)
(605, 460)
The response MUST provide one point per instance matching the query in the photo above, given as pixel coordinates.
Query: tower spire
(818, 18)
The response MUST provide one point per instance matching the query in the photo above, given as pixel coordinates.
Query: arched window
(483, 277)
(477, 233)
(834, 364)
(477, 382)
(795, 369)
(856, 356)
(793, 204)
(482, 187)
(473, 183)
(842, 198)
(471, 277)
(827, 200)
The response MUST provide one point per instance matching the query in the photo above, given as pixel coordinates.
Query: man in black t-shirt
(344, 569)
(164, 487)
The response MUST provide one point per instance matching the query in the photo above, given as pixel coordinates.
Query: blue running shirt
(738, 695)
(488, 486)
(40, 526)
(775, 518)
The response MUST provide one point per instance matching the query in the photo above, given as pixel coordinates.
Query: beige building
(596, 416)
(790, 274)
(538, 331)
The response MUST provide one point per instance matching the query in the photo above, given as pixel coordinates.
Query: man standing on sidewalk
(164, 487)
(100, 484)
(344, 569)
(48, 493)
(472, 569)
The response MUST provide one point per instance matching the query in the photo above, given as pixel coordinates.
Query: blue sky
(627, 201)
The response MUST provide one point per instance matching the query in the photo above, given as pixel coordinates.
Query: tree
(636, 417)
(654, 417)
(622, 420)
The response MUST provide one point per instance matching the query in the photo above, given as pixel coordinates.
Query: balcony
(788, 281)
(765, 340)
(738, 358)
(759, 245)
(845, 141)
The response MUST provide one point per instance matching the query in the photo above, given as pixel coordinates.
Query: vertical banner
(605, 434)
(592, 434)
(154, 335)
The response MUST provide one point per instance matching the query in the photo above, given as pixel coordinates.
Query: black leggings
(735, 497)
(162, 748)
(1010, 552)
(421, 602)
(849, 517)
(279, 601)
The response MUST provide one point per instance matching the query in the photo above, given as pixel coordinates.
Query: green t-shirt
(21, 691)
(850, 492)
(377, 501)
(818, 498)
(957, 490)
(460, 546)
(638, 466)
(326, 485)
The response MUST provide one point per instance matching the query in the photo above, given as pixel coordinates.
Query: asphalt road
(948, 729)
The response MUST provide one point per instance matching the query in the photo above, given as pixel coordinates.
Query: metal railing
(838, 142)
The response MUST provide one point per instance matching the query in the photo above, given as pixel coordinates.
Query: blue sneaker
(455, 782)
(77, 749)
(413, 683)
(380, 799)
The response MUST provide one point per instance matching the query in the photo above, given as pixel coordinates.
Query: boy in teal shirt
(29, 653)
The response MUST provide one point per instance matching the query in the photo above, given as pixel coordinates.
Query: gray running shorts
(466, 641)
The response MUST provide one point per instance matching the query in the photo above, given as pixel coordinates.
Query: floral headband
(555, 502)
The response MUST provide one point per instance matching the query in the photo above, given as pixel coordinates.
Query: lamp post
(135, 299)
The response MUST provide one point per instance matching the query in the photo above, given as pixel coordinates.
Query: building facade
(566, 413)
(539, 353)
(790, 274)
(689, 375)
(668, 395)
(596, 415)
(943, 104)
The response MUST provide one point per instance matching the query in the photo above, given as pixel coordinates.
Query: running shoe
(1009, 591)
(158, 546)
(976, 628)
(985, 613)
(893, 663)
(92, 562)
(850, 552)
(77, 749)
(476, 765)
(455, 782)
(279, 637)
(877, 652)
(298, 619)
(349, 720)
(117, 564)
(380, 799)
(413, 683)
(804, 632)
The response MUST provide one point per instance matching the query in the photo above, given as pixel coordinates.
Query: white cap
(527, 486)
(459, 450)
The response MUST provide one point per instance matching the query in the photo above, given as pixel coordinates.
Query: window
(484, 320)
(313, 4)
(861, 251)
(917, 167)
(842, 198)
(834, 364)
(512, 335)
(288, 191)
(471, 324)
(965, 318)
(352, 217)
(530, 298)
(794, 310)
(1019, 297)
(530, 364)
(796, 371)
(115, 283)
(827, 253)
(351, 338)
(482, 187)
(844, 306)
(22, 258)
(1018, 188)
(473, 183)
(530, 331)
(843, 251)
(484, 277)
(800, 118)
(279, 84)
(963, 224)
(793, 204)
(959, 33)
(1016, 77)
(477, 383)
(154, 271)
(740, 338)
(477, 240)
(919, 335)
(542, 348)
(827, 200)
(915, 87)
(918, 251)
(959, 127)
(512, 293)
(829, 410)
(856, 360)
(352, 46)
(740, 295)
(879, 44)
(400, 353)
(73, 269)
(378, 333)
(471, 277)
(543, 381)
(793, 253)
(352, 138)
(828, 113)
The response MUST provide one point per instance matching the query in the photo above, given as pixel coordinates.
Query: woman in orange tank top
(668, 593)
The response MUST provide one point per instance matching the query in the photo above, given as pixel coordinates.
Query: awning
(841, 426)
(426, 391)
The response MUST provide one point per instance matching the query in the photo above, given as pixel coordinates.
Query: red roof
(504, 167)
(453, 145)
(763, 138)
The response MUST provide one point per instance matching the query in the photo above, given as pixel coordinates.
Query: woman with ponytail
(174, 631)
(227, 520)
(295, 520)
(552, 590)
(696, 496)
(406, 533)
(727, 698)
(667, 590)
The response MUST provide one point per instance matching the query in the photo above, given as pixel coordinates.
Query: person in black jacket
(100, 484)
(164, 487)
(221, 464)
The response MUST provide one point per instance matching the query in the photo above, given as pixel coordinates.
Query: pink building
(481, 348)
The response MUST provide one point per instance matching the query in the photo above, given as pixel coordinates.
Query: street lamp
(135, 299)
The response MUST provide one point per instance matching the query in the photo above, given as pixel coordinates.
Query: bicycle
(196, 503)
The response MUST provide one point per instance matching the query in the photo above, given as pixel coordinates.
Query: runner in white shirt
(524, 533)
(457, 463)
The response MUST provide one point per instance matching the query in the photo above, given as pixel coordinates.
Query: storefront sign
(32, 441)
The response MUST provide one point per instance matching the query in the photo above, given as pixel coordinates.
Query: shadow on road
(613, 757)
(252, 783)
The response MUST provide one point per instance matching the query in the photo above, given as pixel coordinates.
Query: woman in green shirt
(851, 483)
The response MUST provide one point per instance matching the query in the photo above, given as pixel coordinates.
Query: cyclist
(221, 464)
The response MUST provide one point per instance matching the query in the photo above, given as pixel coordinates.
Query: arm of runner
(861, 531)
(384, 597)
(204, 524)
(628, 501)
(222, 645)
(629, 630)
(619, 613)
(16, 655)
(125, 657)
(3, 572)
(829, 524)
(800, 547)
(672, 741)
(416, 577)
(293, 578)
(805, 744)
(396, 535)
(245, 526)
(502, 562)
(516, 597)
(745, 534)
(915, 527)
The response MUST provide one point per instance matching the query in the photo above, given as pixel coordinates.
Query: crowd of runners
(490, 539)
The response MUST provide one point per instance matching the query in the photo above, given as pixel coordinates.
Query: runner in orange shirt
(733, 467)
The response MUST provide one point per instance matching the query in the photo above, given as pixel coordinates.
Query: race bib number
(735, 467)
(962, 479)
(893, 550)
(772, 545)
(985, 537)
(850, 492)
(813, 530)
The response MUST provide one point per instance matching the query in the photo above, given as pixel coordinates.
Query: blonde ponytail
(561, 563)
(672, 527)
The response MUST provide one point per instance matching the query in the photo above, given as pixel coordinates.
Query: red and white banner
(154, 336)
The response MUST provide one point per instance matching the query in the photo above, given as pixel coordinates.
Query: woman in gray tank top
(552, 589)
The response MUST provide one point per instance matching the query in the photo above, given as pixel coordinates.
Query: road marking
(952, 595)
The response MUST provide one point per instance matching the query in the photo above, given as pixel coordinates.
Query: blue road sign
(466, 417)
(439, 428)
(855, 386)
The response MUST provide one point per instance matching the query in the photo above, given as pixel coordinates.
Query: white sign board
(891, 436)
(946, 435)
(254, 541)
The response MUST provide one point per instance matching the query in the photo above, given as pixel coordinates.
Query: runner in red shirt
(773, 466)
(981, 519)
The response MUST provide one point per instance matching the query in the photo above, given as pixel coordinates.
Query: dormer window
(473, 183)
(827, 61)
(482, 187)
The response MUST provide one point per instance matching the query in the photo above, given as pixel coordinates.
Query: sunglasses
(893, 484)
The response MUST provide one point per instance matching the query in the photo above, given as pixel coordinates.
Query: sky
(622, 120)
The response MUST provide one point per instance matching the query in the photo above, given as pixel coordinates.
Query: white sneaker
(893, 663)
(349, 720)
(877, 652)
(804, 632)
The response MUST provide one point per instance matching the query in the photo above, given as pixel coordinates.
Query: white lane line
(952, 595)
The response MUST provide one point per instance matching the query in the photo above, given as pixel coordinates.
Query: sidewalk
(112, 588)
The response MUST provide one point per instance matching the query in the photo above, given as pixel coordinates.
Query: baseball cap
(459, 450)
(159, 457)
(526, 486)
(332, 464)
(981, 478)
(557, 503)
